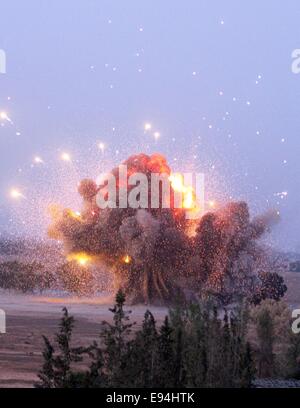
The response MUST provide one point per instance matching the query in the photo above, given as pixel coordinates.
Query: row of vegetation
(73, 278)
(35, 277)
(196, 346)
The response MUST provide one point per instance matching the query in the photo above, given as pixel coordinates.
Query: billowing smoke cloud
(150, 253)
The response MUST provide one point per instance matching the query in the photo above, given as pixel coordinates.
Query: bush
(271, 286)
(75, 278)
(25, 277)
(275, 348)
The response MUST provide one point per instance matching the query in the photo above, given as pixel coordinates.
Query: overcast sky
(213, 78)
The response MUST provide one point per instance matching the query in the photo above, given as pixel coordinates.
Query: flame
(127, 259)
(80, 257)
(75, 214)
(189, 200)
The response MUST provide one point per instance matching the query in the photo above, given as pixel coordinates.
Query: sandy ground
(28, 317)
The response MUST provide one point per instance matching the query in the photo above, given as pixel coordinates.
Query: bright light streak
(38, 160)
(81, 258)
(4, 116)
(101, 146)
(212, 204)
(66, 157)
(127, 259)
(16, 194)
(147, 126)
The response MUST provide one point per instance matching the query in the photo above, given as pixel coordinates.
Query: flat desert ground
(30, 317)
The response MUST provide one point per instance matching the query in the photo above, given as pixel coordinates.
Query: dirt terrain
(28, 317)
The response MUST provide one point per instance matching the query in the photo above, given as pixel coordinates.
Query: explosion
(150, 253)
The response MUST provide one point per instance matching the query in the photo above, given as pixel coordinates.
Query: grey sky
(213, 75)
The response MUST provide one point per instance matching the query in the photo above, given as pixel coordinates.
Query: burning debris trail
(150, 253)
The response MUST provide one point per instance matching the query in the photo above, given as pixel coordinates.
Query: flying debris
(38, 160)
(212, 204)
(66, 157)
(4, 116)
(16, 194)
(127, 259)
(101, 146)
(81, 258)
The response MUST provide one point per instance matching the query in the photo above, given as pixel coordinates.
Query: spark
(81, 258)
(101, 146)
(75, 214)
(16, 194)
(147, 126)
(156, 135)
(4, 116)
(127, 259)
(66, 157)
(212, 204)
(282, 194)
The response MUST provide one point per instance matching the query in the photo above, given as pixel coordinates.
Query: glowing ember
(212, 204)
(38, 160)
(66, 157)
(81, 258)
(127, 259)
(75, 214)
(101, 146)
(15, 193)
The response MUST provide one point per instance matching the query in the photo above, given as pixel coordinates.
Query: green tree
(265, 355)
(115, 338)
(56, 371)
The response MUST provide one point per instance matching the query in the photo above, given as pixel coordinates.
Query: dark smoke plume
(150, 253)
